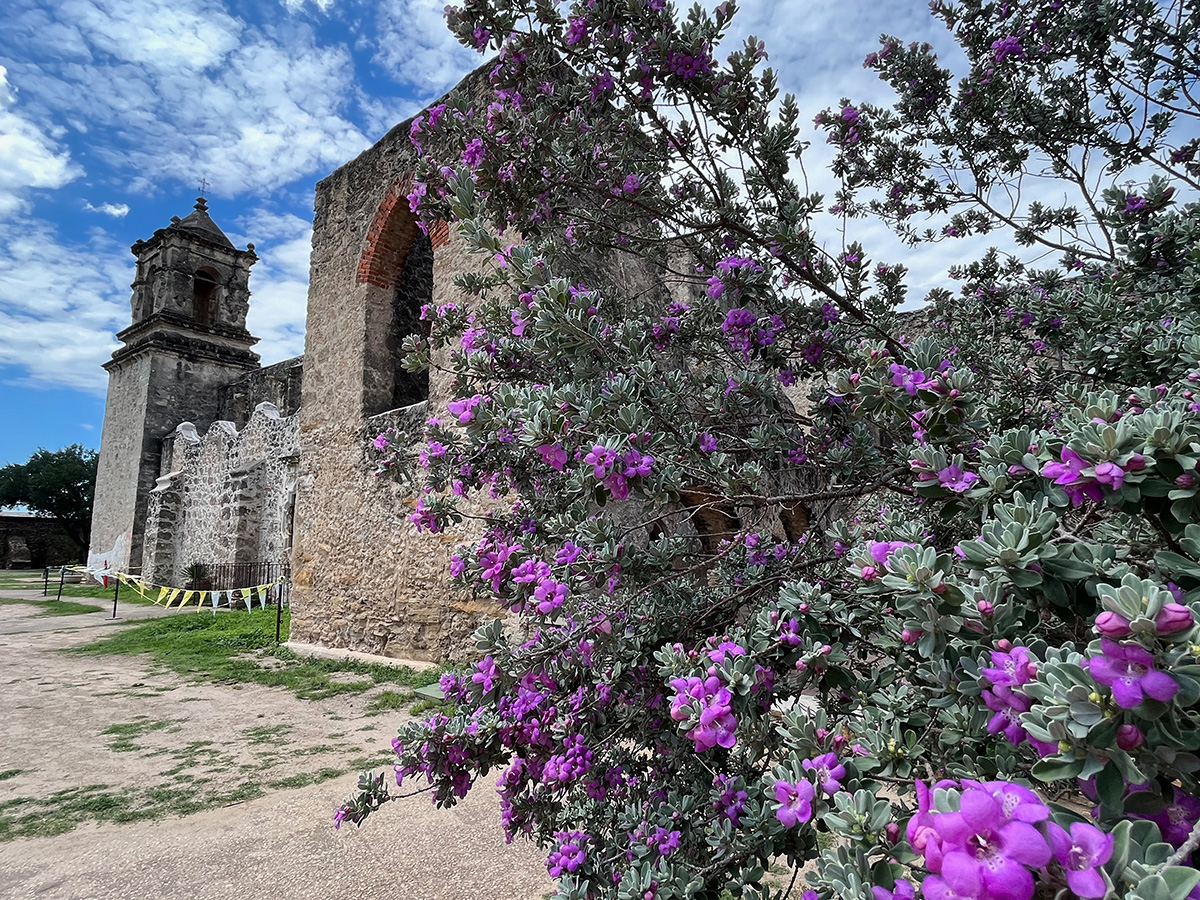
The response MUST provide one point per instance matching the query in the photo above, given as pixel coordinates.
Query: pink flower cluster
(716, 725)
(464, 410)
(992, 846)
(1081, 480)
(548, 593)
(615, 470)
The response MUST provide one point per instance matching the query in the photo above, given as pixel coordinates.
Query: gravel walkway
(54, 712)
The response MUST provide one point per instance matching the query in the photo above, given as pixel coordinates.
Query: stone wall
(32, 542)
(363, 578)
(278, 384)
(224, 497)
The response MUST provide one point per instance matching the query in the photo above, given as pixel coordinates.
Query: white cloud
(29, 158)
(193, 92)
(278, 282)
(416, 48)
(60, 304)
(116, 210)
(160, 35)
(298, 5)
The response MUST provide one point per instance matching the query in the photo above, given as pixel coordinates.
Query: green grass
(10, 773)
(386, 701)
(53, 607)
(265, 734)
(125, 733)
(304, 779)
(62, 811)
(227, 648)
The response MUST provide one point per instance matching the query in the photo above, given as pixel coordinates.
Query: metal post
(116, 591)
(62, 576)
(278, 613)
(45, 580)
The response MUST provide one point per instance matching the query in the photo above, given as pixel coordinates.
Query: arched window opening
(397, 265)
(204, 297)
(414, 290)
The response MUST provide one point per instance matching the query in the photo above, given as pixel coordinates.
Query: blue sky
(111, 111)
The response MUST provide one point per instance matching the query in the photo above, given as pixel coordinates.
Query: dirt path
(107, 734)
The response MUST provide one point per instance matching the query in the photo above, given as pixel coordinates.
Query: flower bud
(911, 636)
(1113, 625)
(892, 832)
(869, 573)
(940, 589)
(986, 608)
(1129, 736)
(1173, 617)
(1186, 480)
(1003, 645)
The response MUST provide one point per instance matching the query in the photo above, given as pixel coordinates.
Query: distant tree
(58, 483)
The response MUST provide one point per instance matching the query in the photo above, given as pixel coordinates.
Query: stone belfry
(188, 338)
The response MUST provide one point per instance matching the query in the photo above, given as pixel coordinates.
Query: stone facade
(226, 496)
(219, 487)
(32, 542)
(187, 340)
(363, 578)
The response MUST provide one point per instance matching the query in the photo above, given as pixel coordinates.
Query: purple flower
(1012, 669)
(708, 443)
(717, 725)
(632, 185)
(1006, 47)
(954, 478)
(1173, 617)
(464, 410)
(985, 853)
(1178, 818)
(795, 802)
(1113, 625)
(730, 804)
(474, 152)
(850, 115)
(1067, 475)
(726, 649)
(1135, 204)
(1111, 474)
(1128, 669)
(381, 442)
(1130, 737)
(901, 890)
(1081, 853)
(828, 772)
(553, 455)
(570, 853)
(577, 30)
(881, 550)
(1007, 707)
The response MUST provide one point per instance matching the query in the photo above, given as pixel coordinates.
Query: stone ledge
(318, 652)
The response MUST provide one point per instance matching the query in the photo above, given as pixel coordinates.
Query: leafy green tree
(57, 483)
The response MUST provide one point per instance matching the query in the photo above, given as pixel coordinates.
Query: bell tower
(187, 339)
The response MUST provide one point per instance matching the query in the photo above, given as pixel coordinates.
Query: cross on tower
(203, 186)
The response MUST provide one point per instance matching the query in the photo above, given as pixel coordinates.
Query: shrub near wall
(975, 672)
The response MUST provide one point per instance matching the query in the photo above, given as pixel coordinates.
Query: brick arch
(391, 235)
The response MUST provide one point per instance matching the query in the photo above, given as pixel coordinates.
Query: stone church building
(208, 457)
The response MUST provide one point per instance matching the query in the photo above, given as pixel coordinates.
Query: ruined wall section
(364, 579)
(277, 384)
(224, 497)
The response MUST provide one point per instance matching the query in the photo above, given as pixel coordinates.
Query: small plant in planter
(199, 577)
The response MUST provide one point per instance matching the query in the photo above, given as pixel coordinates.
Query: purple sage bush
(792, 575)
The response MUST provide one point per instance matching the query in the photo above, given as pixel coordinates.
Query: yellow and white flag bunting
(167, 596)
